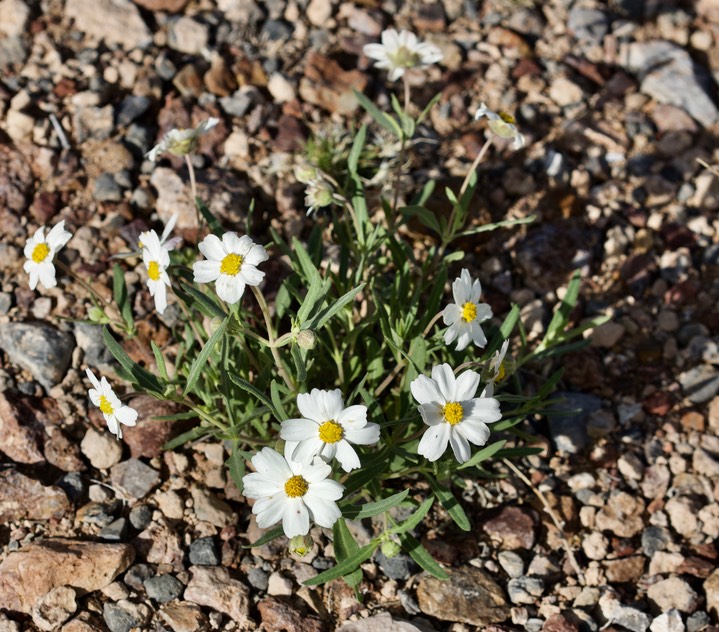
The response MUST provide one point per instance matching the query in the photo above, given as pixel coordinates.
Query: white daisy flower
(156, 259)
(327, 429)
(494, 371)
(165, 242)
(114, 411)
(232, 263)
(464, 315)
(40, 252)
(502, 124)
(400, 51)
(454, 415)
(292, 492)
(180, 142)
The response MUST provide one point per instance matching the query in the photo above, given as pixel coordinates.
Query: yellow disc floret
(153, 270)
(106, 406)
(500, 372)
(452, 413)
(331, 432)
(296, 487)
(469, 312)
(507, 118)
(405, 58)
(231, 265)
(40, 252)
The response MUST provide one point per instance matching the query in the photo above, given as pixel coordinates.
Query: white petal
(232, 243)
(326, 490)
(444, 376)
(460, 447)
(426, 391)
(256, 255)
(251, 275)
(353, 417)
(375, 51)
(298, 429)
(258, 486)
(434, 442)
(324, 513)
(206, 271)
(93, 380)
(272, 464)
(94, 396)
(484, 409)
(306, 450)
(451, 314)
(269, 510)
(368, 435)
(296, 519)
(473, 431)
(477, 335)
(463, 338)
(126, 415)
(466, 386)
(431, 413)
(484, 312)
(229, 288)
(347, 456)
(58, 236)
(46, 273)
(211, 247)
(160, 297)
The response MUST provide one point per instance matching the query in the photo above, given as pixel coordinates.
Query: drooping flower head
(318, 194)
(327, 429)
(40, 252)
(466, 313)
(401, 51)
(294, 493)
(180, 142)
(502, 124)
(167, 243)
(495, 370)
(454, 415)
(114, 411)
(232, 263)
(156, 259)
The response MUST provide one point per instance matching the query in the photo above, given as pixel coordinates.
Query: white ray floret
(328, 429)
(401, 51)
(464, 316)
(454, 415)
(180, 142)
(40, 251)
(114, 411)
(291, 492)
(495, 370)
(156, 259)
(502, 124)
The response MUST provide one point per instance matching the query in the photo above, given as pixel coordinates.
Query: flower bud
(390, 548)
(300, 545)
(305, 173)
(97, 315)
(307, 339)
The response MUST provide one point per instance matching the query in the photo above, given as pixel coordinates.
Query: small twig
(474, 166)
(59, 131)
(709, 167)
(555, 519)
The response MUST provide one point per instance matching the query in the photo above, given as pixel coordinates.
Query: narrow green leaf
(375, 508)
(139, 376)
(508, 325)
(236, 465)
(320, 319)
(272, 534)
(204, 356)
(316, 293)
(299, 362)
(159, 361)
(345, 547)
(389, 123)
(120, 292)
(450, 503)
(484, 454)
(190, 435)
(428, 107)
(425, 216)
(420, 555)
(415, 518)
(495, 225)
(308, 267)
(277, 404)
(211, 220)
(345, 567)
(516, 453)
(561, 315)
(256, 392)
(356, 152)
(205, 304)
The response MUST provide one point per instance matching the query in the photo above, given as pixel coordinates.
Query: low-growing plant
(345, 391)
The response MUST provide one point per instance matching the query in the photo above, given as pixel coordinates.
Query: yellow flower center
(40, 253)
(452, 413)
(296, 487)
(153, 270)
(106, 406)
(507, 118)
(469, 312)
(404, 58)
(231, 265)
(500, 373)
(331, 432)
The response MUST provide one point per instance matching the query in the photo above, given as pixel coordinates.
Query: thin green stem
(271, 337)
(474, 166)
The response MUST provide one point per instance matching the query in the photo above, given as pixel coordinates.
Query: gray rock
(698, 621)
(137, 575)
(124, 615)
(525, 590)
(398, 567)
(54, 608)
(106, 189)
(141, 516)
(73, 485)
(588, 24)
(114, 21)
(614, 612)
(115, 531)
(382, 623)
(568, 420)
(258, 578)
(163, 588)
(41, 349)
(512, 563)
(134, 477)
(670, 621)
(668, 74)
(203, 552)
(700, 384)
(275, 30)
(238, 103)
(187, 35)
(131, 108)
(655, 539)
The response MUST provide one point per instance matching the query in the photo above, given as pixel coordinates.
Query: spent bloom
(156, 259)
(502, 124)
(180, 142)
(292, 492)
(327, 429)
(114, 411)
(466, 313)
(494, 371)
(40, 252)
(454, 415)
(231, 263)
(401, 51)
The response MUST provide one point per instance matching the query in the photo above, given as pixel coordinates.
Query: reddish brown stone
(659, 403)
(149, 435)
(279, 616)
(171, 6)
(512, 527)
(558, 623)
(326, 84)
(24, 498)
(696, 566)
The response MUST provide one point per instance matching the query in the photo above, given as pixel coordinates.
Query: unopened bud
(300, 545)
(390, 548)
(97, 315)
(305, 174)
(307, 339)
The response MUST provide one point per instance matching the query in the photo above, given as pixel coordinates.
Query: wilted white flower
(156, 259)
(464, 315)
(502, 124)
(327, 429)
(318, 194)
(232, 263)
(495, 371)
(40, 252)
(401, 51)
(454, 415)
(292, 492)
(114, 411)
(180, 142)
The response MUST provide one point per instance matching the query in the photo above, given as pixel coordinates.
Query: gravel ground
(618, 102)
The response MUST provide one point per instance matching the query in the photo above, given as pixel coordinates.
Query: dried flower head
(180, 142)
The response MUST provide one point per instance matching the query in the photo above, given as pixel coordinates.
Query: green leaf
(484, 454)
(356, 151)
(345, 546)
(308, 267)
(425, 216)
(190, 435)
(561, 315)
(345, 567)
(159, 361)
(211, 220)
(508, 325)
(428, 107)
(277, 404)
(138, 375)
(204, 355)
(517, 453)
(272, 534)
(120, 291)
(449, 502)
(256, 392)
(368, 472)
(320, 319)
(389, 123)
(205, 304)
(299, 362)
(415, 518)
(375, 508)
(316, 293)
(420, 555)
(495, 225)
(236, 465)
